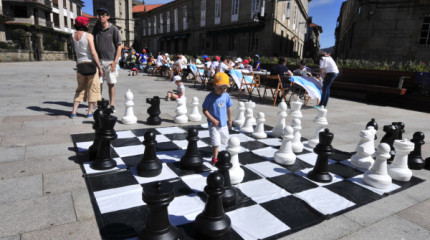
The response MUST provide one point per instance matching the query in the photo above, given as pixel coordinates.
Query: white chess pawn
(295, 109)
(399, 170)
(297, 144)
(259, 129)
(247, 126)
(282, 114)
(285, 155)
(378, 176)
(195, 115)
(236, 172)
(129, 117)
(181, 111)
(240, 118)
(365, 149)
(251, 106)
(320, 123)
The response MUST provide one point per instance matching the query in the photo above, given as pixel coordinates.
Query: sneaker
(90, 115)
(113, 109)
(317, 107)
(73, 115)
(214, 160)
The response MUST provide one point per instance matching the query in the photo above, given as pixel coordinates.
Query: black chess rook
(415, 160)
(153, 111)
(106, 134)
(192, 158)
(150, 165)
(374, 124)
(324, 150)
(229, 198)
(101, 106)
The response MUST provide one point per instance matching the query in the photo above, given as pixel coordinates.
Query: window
(72, 23)
(234, 10)
(424, 39)
(184, 18)
(55, 3)
(56, 20)
(253, 41)
(286, 10)
(161, 23)
(168, 21)
(149, 26)
(202, 13)
(71, 7)
(78, 11)
(289, 7)
(143, 27)
(295, 17)
(65, 22)
(255, 8)
(20, 11)
(64, 4)
(217, 11)
(175, 18)
(155, 24)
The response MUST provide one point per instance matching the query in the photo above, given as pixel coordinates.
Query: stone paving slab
(83, 207)
(16, 237)
(12, 154)
(418, 214)
(83, 230)
(48, 150)
(14, 141)
(17, 189)
(62, 182)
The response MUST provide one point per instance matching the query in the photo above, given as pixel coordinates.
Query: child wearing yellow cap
(217, 109)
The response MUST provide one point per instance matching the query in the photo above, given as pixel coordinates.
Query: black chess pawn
(324, 150)
(192, 158)
(158, 196)
(415, 160)
(213, 223)
(101, 106)
(106, 134)
(150, 165)
(153, 111)
(229, 197)
(373, 124)
(391, 134)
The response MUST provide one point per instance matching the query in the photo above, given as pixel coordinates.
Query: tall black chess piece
(427, 163)
(213, 223)
(373, 124)
(324, 150)
(192, 158)
(106, 134)
(401, 129)
(391, 134)
(150, 165)
(101, 106)
(153, 111)
(158, 196)
(415, 160)
(229, 197)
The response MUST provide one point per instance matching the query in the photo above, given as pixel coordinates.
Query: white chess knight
(320, 123)
(240, 118)
(365, 149)
(282, 114)
(195, 115)
(259, 129)
(295, 109)
(297, 144)
(247, 126)
(236, 172)
(378, 176)
(129, 117)
(181, 110)
(399, 170)
(251, 105)
(285, 155)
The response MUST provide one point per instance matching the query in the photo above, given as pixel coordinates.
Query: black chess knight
(153, 111)
(106, 134)
(391, 134)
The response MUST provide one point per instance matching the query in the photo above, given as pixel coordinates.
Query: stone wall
(18, 55)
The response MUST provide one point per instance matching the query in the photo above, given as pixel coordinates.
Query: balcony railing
(46, 3)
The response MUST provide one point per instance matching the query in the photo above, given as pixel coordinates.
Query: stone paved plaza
(43, 193)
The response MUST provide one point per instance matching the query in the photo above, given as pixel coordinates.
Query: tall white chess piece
(282, 114)
(240, 118)
(320, 123)
(195, 115)
(399, 170)
(365, 149)
(236, 172)
(295, 109)
(251, 105)
(285, 155)
(247, 126)
(378, 176)
(181, 110)
(297, 144)
(259, 129)
(129, 117)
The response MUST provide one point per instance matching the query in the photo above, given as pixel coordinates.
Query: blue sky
(323, 12)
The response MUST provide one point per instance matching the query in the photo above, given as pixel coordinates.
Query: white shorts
(219, 135)
(110, 78)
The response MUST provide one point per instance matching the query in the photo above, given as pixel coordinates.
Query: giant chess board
(275, 200)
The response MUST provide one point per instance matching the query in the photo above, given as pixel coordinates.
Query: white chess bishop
(181, 110)
(247, 126)
(365, 149)
(129, 117)
(282, 114)
(295, 109)
(377, 176)
(285, 155)
(399, 170)
(297, 144)
(236, 172)
(240, 118)
(320, 123)
(259, 129)
(195, 115)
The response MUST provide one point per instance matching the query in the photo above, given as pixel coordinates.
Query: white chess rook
(320, 123)
(399, 170)
(378, 176)
(195, 115)
(297, 144)
(282, 114)
(259, 129)
(247, 126)
(181, 111)
(240, 118)
(365, 149)
(129, 117)
(285, 155)
(236, 172)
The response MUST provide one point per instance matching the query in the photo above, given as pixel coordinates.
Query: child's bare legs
(171, 95)
(75, 107)
(215, 151)
(90, 107)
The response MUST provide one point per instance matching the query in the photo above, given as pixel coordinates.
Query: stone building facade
(224, 27)
(386, 30)
(121, 15)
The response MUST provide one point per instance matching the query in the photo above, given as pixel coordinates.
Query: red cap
(81, 21)
(217, 58)
(144, 51)
(245, 61)
(207, 59)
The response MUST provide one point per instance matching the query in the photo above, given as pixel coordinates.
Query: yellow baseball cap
(221, 79)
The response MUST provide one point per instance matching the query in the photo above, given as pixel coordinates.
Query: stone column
(65, 51)
(39, 47)
(29, 46)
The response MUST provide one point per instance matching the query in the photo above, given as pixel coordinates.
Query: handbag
(86, 68)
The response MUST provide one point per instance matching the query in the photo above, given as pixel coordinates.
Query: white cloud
(319, 3)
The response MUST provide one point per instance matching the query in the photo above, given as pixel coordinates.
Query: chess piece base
(285, 158)
(191, 163)
(103, 164)
(153, 121)
(399, 174)
(149, 169)
(259, 135)
(377, 180)
(324, 177)
(207, 228)
(129, 120)
(168, 234)
(236, 176)
(181, 119)
(416, 163)
(195, 118)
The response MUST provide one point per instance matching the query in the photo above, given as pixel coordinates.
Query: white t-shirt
(327, 63)
(214, 65)
(181, 89)
(184, 60)
(223, 67)
(159, 60)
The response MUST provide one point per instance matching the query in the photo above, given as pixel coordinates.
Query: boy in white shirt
(180, 91)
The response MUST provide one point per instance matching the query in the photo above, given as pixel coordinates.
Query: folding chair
(175, 71)
(200, 73)
(274, 84)
(156, 69)
(249, 82)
